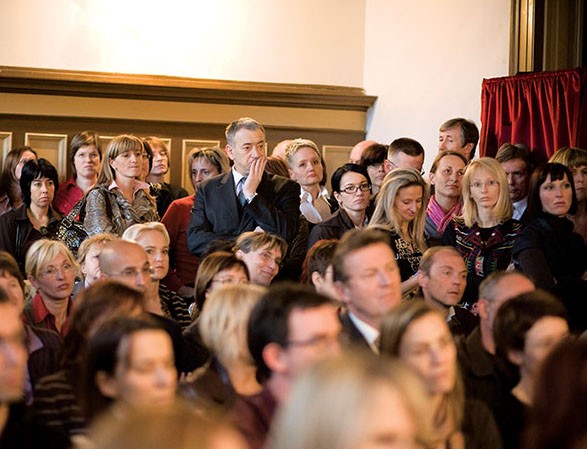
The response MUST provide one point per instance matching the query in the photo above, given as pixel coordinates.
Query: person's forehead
(451, 161)
(352, 177)
(244, 135)
(446, 258)
(364, 254)
(513, 164)
(267, 249)
(132, 257)
(454, 131)
(305, 153)
(313, 319)
(512, 285)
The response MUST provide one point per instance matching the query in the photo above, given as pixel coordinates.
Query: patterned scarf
(439, 217)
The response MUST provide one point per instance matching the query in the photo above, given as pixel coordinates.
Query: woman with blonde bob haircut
(223, 326)
(119, 199)
(354, 401)
(159, 299)
(401, 213)
(419, 336)
(485, 232)
(51, 269)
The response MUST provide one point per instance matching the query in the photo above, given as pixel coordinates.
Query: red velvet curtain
(544, 110)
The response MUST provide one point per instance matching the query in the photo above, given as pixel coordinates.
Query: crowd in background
(398, 309)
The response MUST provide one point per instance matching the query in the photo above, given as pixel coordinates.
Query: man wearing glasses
(290, 329)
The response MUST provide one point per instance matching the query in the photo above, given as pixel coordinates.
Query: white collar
(368, 331)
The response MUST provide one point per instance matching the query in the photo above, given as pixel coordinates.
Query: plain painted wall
(424, 59)
(299, 41)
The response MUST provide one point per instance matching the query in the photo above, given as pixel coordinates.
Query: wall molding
(178, 89)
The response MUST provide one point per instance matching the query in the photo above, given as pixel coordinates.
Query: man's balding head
(126, 262)
(357, 151)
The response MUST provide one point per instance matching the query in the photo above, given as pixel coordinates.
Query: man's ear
(423, 279)
(107, 385)
(229, 152)
(516, 357)
(483, 308)
(275, 358)
(316, 278)
(387, 166)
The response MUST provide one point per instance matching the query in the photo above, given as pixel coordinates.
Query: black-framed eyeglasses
(365, 187)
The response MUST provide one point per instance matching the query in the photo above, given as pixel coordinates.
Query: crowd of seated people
(399, 308)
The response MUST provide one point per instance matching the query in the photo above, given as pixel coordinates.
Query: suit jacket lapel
(226, 194)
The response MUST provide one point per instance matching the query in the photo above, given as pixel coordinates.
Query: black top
(555, 258)
(483, 378)
(333, 228)
(23, 431)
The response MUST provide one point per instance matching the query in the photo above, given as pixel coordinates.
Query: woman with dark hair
(85, 154)
(119, 198)
(35, 219)
(129, 365)
(57, 396)
(547, 250)
(420, 337)
(526, 329)
(373, 160)
(10, 195)
(217, 269)
(352, 189)
(576, 160)
(557, 419)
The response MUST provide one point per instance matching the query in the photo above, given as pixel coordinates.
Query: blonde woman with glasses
(51, 269)
(485, 232)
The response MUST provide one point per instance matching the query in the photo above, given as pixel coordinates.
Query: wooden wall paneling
(6, 144)
(187, 146)
(52, 147)
(335, 156)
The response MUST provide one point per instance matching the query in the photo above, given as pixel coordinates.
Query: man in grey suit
(246, 198)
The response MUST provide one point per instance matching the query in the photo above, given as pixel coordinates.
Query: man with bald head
(279, 149)
(358, 149)
(484, 380)
(126, 262)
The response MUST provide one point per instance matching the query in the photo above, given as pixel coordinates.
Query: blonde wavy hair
(224, 318)
(386, 216)
(334, 398)
(503, 209)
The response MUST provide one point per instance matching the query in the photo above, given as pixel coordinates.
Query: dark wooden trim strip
(190, 90)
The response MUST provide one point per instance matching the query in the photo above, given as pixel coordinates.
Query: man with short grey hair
(246, 198)
(484, 380)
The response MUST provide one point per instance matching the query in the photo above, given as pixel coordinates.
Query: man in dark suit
(246, 198)
(367, 279)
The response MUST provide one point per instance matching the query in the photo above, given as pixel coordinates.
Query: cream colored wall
(426, 59)
(301, 41)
